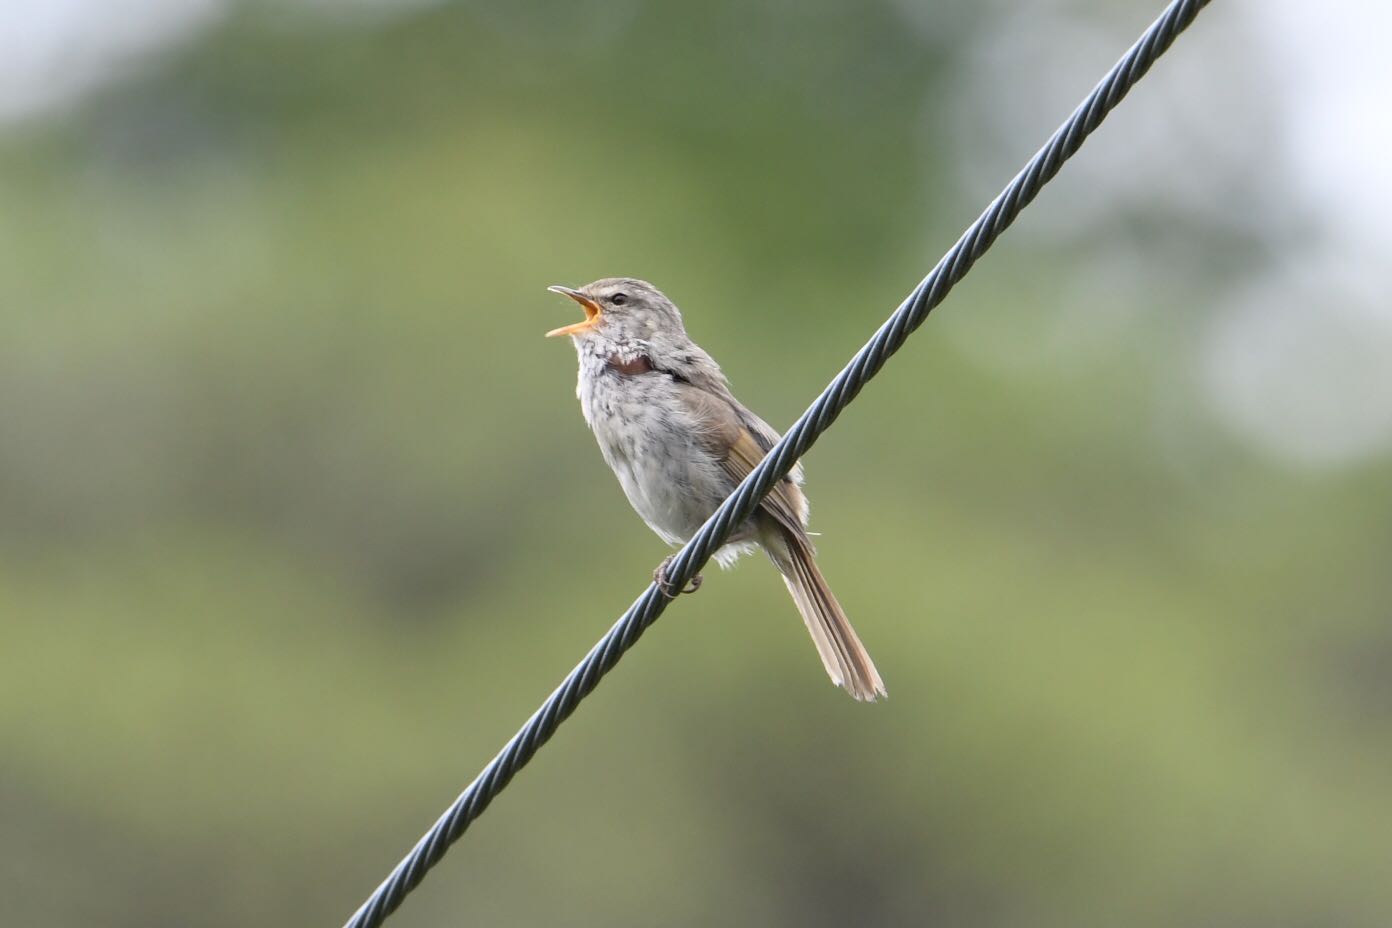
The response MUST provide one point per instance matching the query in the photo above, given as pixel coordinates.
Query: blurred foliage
(299, 520)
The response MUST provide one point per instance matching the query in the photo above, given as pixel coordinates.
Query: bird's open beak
(591, 308)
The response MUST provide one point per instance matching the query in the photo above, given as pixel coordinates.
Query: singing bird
(680, 442)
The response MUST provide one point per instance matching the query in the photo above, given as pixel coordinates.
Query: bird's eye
(619, 299)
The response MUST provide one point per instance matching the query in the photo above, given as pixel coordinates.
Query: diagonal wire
(745, 499)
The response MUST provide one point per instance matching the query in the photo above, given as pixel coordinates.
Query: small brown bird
(680, 442)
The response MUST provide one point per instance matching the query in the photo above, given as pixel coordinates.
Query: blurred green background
(299, 519)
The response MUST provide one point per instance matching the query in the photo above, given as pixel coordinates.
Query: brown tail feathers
(845, 658)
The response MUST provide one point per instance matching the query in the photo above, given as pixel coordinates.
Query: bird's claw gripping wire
(663, 584)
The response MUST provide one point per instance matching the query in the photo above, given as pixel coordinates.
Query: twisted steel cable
(745, 499)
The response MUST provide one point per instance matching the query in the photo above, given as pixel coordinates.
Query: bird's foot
(660, 578)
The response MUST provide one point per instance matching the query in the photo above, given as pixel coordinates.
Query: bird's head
(621, 311)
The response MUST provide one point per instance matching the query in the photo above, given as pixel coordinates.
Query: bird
(679, 442)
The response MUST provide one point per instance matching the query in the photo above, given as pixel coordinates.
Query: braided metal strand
(799, 438)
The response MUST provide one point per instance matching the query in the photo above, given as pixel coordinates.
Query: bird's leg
(660, 578)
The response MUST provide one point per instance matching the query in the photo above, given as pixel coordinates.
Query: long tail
(845, 658)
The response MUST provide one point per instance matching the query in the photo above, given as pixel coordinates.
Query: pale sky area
(1298, 363)
(1302, 360)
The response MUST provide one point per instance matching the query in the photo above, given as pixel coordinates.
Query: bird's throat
(641, 364)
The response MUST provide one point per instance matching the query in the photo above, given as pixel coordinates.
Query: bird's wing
(740, 444)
